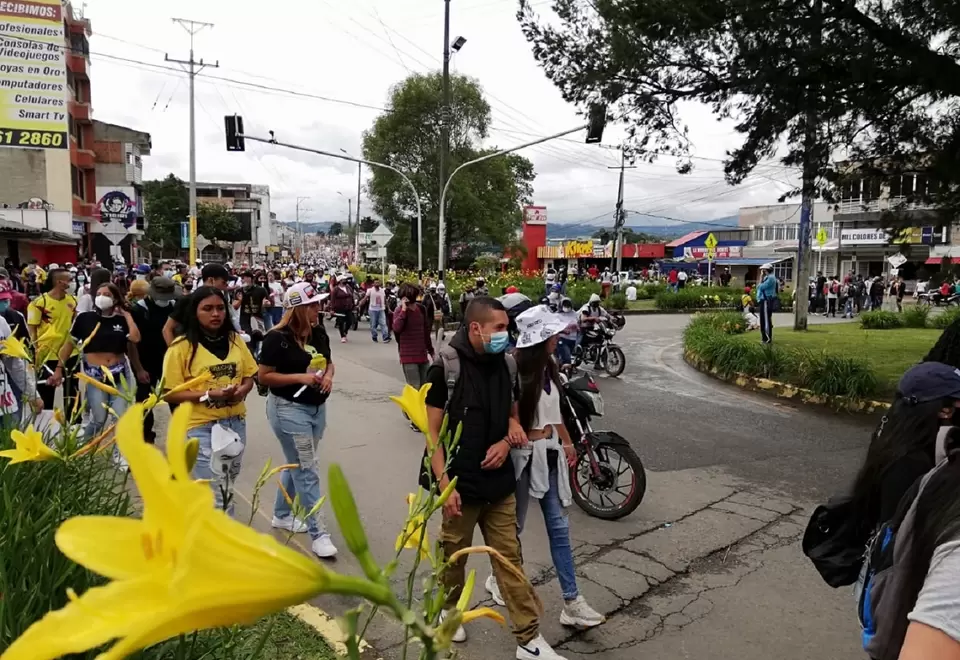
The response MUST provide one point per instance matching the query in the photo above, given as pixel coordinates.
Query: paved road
(708, 566)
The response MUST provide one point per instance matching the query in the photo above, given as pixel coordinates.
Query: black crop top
(111, 336)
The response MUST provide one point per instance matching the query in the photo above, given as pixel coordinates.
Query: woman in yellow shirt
(211, 346)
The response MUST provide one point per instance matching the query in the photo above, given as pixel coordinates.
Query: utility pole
(444, 134)
(192, 67)
(620, 216)
(811, 160)
(299, 228)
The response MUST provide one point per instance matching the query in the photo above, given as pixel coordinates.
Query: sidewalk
(708, 566)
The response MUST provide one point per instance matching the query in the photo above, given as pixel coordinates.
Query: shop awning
(749, 261)
(936, 261)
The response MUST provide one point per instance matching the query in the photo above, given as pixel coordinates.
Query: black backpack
(835, 541)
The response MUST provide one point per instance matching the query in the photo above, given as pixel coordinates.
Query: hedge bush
(824, 373)
(916, 317)
(941, 321)
(617, 301)
(731, 323)
(881, 320)
(699, 297)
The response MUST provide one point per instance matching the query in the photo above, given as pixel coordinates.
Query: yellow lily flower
(166, 569)
(151, 402)
(414, 403)
(15, 348)
(29, 447)
(410, 537)
(483, 613)
(84, 378)
(280, 468)
(191, 384)
(108, 375)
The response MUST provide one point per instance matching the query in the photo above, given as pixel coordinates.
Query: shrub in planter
(915, 317)
(831, 374)
(617, 301)
(880, 320)
(942, 320)
(730, 323)
(698, 297)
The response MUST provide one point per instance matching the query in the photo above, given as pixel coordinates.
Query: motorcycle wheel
(577, 355)
(923, 302)
(614, 361)
(614, 462)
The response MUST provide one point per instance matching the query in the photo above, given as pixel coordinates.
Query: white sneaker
(537, 649)
(460, 636)
(494, 589)
(578, 614)
(290, 524)
(323, 547)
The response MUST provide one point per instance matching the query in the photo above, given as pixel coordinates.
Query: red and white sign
(727, 252)
(535, 215)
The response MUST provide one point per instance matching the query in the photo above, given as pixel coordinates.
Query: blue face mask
(4, 306)
(498, 342)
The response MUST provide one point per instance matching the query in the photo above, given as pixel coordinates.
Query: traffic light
(234, 126)
(596, 124)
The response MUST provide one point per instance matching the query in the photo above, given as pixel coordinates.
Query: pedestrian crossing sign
(822, 236)
(711, 242)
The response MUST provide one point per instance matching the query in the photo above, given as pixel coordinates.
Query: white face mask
(104, 303)
(168, 273)
(162, 303)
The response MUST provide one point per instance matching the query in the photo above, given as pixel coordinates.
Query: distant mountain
(311, 227)
(577, 230)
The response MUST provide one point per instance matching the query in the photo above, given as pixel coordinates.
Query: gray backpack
(888, 555)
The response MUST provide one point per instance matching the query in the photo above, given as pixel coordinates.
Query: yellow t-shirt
(53, 319)
(239, 364)
(178, 278)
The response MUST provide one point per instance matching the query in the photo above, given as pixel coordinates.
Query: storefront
(866, 251)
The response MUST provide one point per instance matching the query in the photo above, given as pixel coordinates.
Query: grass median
(832, 360)
(888, 352)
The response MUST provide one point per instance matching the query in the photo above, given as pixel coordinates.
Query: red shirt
(413, 334)
(593, 272)
(672, 277)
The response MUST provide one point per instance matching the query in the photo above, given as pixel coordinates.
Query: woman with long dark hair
(107, 333)
(300, 383)
(210, 347)
(542, 466)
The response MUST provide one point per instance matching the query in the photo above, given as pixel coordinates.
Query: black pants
(70, 385)
(143, 391)
(345, 322)
(766, 321)
(832, 306)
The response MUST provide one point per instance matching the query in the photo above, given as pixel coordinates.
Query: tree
(166, 205)
(336, 229)
(876, 81)
(484, 200)
(629, 236)
(368, 224)
(216, 222)
(320, 233)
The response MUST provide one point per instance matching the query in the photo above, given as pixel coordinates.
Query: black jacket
(150, 319)
(482, 400)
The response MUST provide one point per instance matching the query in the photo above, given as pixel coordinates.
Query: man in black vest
(482, 399)
(150, 315)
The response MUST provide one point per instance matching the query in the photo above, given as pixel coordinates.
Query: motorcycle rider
(591, 315)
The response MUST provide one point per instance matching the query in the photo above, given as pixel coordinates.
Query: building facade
(119, 169)
(47, 196)
(251, 204)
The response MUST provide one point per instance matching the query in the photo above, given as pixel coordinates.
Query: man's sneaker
(537, 649)
(494, 589)
(460, 636)
(388, 340)
(375, 340)
(290, 524)
(323, 547)
(578, 614)
(343, 340)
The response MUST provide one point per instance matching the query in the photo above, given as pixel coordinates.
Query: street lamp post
(443, 194)
(416, 196)
(299, 228)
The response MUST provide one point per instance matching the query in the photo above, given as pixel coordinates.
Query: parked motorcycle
(608, 480)
(597, 346)
(937, 299)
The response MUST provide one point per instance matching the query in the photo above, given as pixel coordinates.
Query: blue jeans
(221, 471)
(97, 403)
(378, 320)
(565, 350)
(558, 528)
(299, 428)
(848, 307)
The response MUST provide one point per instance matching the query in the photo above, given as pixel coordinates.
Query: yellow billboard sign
(33, 75)
(576, 249)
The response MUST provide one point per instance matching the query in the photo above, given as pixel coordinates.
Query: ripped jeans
(299, 428)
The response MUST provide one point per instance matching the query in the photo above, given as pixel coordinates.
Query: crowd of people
(208, 334)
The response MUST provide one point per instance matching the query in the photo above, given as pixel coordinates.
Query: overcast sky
(354, 51)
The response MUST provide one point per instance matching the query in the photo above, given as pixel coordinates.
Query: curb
(698, 310)
(786, 390)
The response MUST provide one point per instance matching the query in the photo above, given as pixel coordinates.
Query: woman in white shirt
(542, 466)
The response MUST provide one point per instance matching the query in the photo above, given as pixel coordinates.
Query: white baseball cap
(537, 325)
(302, 293)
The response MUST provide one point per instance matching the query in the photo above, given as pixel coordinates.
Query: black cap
(162, 288)
(930, 381)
